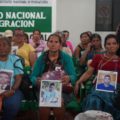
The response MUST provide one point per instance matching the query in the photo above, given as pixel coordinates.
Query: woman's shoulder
(15, 57)
(64, 54)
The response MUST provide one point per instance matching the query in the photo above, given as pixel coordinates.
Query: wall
(76, 16)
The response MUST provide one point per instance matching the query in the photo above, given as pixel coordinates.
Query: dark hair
(107, 76)
(52, 84)
(65, 31)
(118, 38)
(110, 36)
(7, 40)
(118, 33)
(26, 37)
(86, 33)
(59, 38)
(18, 29)
(37, 31)
(95, 35)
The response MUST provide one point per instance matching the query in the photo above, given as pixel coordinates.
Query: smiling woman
(109, 61)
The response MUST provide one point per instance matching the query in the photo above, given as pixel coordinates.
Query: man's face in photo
(107, 80)
(4, 78)
(51, 88)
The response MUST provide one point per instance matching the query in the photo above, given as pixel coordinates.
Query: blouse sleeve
(96, 61)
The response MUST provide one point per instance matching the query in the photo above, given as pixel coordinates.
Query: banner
(28, 15)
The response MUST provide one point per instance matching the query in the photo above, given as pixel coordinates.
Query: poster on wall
(28, 15)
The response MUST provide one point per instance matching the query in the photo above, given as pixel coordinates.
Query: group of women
(109, 60)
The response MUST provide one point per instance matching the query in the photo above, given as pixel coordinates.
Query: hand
(38, 82)
(65, 79)
(89, 47)
(76, 88)
(8, 93)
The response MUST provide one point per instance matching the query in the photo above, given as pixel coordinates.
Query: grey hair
(7, 40)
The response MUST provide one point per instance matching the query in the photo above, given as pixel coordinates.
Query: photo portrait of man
(106, 85)
(50, 95)
(5, 78)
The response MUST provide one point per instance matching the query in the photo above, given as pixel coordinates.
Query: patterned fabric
(94, 115)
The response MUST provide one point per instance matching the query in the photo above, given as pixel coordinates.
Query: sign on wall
(28, 15)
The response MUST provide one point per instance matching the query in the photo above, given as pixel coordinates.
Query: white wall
(77, 16)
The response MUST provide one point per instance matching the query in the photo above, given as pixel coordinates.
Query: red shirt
(101, 62)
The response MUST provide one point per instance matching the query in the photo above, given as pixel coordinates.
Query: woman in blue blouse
(12, 97)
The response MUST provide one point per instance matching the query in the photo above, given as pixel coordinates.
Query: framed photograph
(106, 81)
(50, 93)
(5, 80)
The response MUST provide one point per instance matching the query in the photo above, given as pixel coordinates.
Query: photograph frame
(5, 75)
(108, 78)
(50, 93)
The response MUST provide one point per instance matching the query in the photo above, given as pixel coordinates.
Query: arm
(84, 55)
(77, 52)
(18, 72)
(18, 79)
(33, 58)
(37, 70)
(32, 55)
(69, 69)
(83, 78)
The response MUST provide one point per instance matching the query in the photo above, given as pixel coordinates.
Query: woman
(37, 42)
(26, 51)
(49, 61)
(110, 61)
(64, 46)
(81, 52)
(12, 97)
(96, 47)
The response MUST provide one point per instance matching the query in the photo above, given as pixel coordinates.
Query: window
(107, 16)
